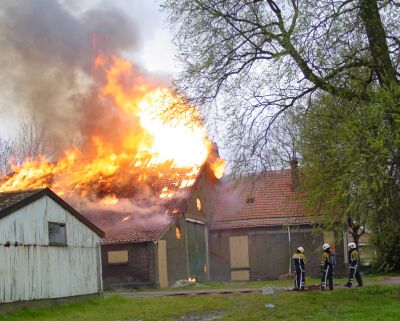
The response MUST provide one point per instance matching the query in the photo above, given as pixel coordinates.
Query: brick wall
(139, 271)
(269, 253)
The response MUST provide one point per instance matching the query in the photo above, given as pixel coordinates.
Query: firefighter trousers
(299, 278)
(354, 273)
(327, 277)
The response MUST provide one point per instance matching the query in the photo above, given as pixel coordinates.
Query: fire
(157, 145)
(218, 167)
(109, 200)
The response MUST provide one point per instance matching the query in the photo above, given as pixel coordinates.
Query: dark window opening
(57, 234)
(250, 200)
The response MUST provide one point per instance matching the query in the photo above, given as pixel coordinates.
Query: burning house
(47, 249)
(258, 224)
(145, 176)
(161, 239)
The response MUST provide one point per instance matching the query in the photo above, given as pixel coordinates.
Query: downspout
(290, 249)
(99, 268)
(187, 251)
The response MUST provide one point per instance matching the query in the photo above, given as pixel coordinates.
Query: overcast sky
(153, 47)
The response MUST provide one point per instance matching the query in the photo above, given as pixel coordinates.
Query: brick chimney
(294, 168)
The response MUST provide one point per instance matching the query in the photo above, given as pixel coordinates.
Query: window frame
(52, 243)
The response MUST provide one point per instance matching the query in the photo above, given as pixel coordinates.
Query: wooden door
(162, 264)
(239, 257)
(196, 243)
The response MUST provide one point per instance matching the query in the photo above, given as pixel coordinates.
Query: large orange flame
(158, 147)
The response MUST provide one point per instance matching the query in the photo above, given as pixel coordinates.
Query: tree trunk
(377, 40)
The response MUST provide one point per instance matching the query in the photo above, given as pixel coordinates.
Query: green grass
(372, 302)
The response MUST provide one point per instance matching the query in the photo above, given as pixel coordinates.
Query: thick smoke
(47, 66)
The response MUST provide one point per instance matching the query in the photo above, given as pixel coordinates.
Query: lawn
(373, 302)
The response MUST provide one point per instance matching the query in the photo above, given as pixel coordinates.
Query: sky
(152, 47)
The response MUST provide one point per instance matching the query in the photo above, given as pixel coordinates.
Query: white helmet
(325, 246)
(300, 249)
(352, 245)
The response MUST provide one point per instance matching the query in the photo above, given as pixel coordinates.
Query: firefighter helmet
(352, 245)
(325, 246)
(300, 249)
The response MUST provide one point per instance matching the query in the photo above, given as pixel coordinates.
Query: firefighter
(354, 270)
(299, 261)
(328, 263)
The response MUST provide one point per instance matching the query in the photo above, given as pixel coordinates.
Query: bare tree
(263, 150)
(6, 154)
(259, 58)
(32, 141)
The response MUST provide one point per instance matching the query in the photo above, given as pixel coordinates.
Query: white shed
(47, 249)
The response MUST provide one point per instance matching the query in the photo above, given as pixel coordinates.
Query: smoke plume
(47, 66)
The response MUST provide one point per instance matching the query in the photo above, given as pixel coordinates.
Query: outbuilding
(48, 250)
(257, 225)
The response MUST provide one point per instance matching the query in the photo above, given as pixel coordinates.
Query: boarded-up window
(117, 257)
(57, 234)
(329, 238)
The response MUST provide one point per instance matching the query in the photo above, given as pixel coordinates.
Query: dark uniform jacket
(327, 259)
(354, 257)
(299, 260)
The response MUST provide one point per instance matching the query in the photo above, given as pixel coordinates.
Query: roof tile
(259, 200)
(146, 222)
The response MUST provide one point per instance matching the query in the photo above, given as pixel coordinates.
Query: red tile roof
(266, 199)
(158, 201)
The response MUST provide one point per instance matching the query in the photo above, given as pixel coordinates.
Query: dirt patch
(215, 315)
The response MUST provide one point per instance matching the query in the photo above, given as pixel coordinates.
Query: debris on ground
(313, 287)
(184, 284)
(270, 306)
(288, 288)
(267, 290)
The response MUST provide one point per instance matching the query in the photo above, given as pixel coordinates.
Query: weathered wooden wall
(34, 270)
